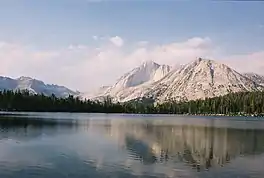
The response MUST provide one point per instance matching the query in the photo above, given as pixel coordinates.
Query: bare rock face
(259, 79)
(204, 79)
(135, 83)
(199, 79)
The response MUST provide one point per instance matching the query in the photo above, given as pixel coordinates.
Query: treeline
(243, 103)
(25, 101)
(234, 103)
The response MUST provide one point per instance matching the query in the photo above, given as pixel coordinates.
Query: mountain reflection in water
(120, 146)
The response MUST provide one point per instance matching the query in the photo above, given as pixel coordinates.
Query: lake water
(56, 145)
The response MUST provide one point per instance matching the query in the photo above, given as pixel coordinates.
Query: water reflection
(201, 147)
(171, 147)
(28, 128)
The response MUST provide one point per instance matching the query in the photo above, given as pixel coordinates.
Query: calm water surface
(99, 145)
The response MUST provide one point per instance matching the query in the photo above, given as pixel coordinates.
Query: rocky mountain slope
(148, 72)
(34, 86)
(204, 78)
(197, 80)
(133, 84)
(255, 77)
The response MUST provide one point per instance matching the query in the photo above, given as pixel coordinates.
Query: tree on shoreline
(233, 103)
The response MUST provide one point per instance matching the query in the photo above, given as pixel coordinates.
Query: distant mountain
(132, 84)
(148, 72)
(199, 79)
(95, 95)
(34, 86)
(256, 78)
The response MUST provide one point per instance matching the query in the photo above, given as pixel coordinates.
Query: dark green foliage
(231, 104)
(243, 103)
(24, 101)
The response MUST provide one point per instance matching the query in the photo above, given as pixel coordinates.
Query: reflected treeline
(26, 128)
(200, 147)
(204, 147)
(151, 141)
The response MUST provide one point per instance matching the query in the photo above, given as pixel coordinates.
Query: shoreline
(17, 113)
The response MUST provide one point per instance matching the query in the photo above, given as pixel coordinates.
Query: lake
(58, 145)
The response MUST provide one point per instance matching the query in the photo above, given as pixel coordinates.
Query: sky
(85, 44)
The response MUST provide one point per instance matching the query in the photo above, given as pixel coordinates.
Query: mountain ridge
(204, 78)
(34, 86)
(130, 85)
(199, 79)
(255, 77)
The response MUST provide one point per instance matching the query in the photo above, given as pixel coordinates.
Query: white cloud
(143, 43)
(95, 37)
(77, 47)
(88, 67)
(252, 62)
(116, 40)
(17, 59)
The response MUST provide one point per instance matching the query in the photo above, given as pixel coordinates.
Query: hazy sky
(84, 44)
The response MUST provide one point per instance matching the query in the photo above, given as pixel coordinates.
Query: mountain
(98, 94)
(148, 72)
(255, 77)
(34, 86)
(199, 79)
(202, 79)
(132, 84)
